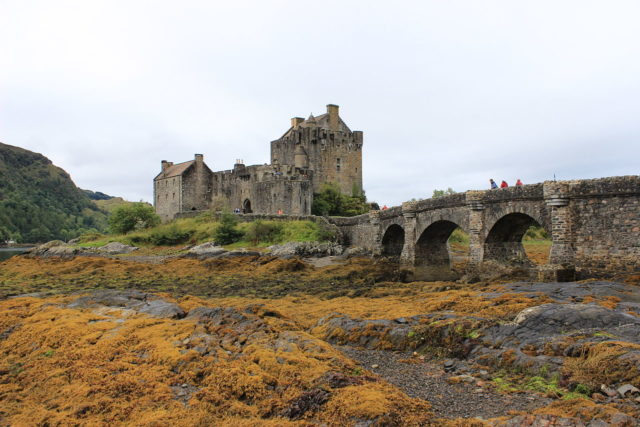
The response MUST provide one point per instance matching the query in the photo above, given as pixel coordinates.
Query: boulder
(141, 302)
(306, 249)
(116, 248)
(628, 389)
(54, 248)
(206, 250)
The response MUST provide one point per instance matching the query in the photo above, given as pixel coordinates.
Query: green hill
(40, 202)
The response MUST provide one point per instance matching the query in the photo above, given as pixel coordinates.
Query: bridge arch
(393, 240)
(432, 260)
(504, 239)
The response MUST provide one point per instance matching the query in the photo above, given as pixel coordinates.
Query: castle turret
(301, 159)
(295, 121)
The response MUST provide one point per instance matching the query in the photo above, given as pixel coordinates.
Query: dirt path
(427, 380)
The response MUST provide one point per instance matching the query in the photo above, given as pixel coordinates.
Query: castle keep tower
(324, 145)
(312, 152)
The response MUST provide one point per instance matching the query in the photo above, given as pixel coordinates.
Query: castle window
(174, 195)
(338, 164)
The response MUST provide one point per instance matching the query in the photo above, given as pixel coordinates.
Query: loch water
(6, 253)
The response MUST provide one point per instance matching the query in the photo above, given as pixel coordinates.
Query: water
(6, 253)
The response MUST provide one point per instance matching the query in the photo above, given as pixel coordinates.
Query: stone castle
(311, 152)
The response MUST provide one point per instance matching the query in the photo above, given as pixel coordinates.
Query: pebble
(375, 366)
(449, 365)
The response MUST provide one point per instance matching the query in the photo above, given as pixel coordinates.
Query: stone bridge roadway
(593, 224)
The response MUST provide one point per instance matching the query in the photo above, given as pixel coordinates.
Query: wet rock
(138, 301)
(340, 380)
(116, 248)
(54, 248)
(548, 319)
(537, 326)
(449, 365)
(341, 329)
(206, 250)
(306, 249)
(627, 389)
(308, 401)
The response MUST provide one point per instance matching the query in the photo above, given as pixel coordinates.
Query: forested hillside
(40, 202)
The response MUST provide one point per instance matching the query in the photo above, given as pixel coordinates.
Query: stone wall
(605, 215)
(167, 196)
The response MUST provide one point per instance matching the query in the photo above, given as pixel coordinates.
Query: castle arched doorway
(246, 206)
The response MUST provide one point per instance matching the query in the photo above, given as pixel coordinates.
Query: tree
(4, 234)
(132, 216)
(440, 193)
(330, 201)
(227, 233)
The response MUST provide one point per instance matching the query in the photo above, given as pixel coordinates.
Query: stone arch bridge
(593, 224)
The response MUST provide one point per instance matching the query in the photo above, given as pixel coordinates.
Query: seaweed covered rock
(137, 301)
(205, 250)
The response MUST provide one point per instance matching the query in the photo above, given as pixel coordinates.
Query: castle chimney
(334, 117)
(295, 121)
(199, 158)
(165, 164)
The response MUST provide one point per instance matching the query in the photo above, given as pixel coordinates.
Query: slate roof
(175, 170)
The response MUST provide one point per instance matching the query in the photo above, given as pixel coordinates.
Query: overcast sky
(448, 93)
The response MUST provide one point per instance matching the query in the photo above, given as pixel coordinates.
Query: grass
(256, 234)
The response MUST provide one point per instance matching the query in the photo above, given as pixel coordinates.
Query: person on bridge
(493, 183)
(504, 184)
(518, 183)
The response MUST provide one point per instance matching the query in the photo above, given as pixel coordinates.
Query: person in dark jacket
(493, 183)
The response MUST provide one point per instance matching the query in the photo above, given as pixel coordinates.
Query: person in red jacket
(518, 183)
(504, 184)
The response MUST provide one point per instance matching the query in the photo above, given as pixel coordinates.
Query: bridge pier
(561, 266)
(475, 227)
(408, 255)
(374, 224)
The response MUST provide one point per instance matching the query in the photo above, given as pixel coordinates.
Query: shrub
(536, 233)
(264, 231)
(133, 216)
(227, 232)
(171, 235)
(90, 236)
(459, 236)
